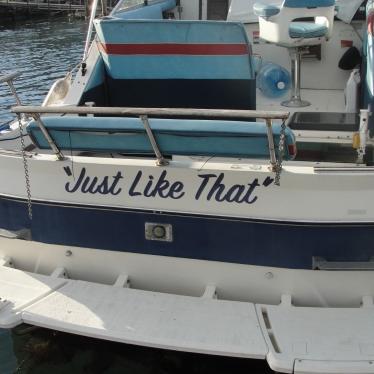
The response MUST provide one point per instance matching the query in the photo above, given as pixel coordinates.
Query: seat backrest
(308, 3)
(278, 26)
(177, 63)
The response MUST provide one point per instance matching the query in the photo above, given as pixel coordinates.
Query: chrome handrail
(8, 79)
(89, 31)
(165, 112)
(144, 113)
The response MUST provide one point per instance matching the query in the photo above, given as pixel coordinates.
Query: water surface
(42, 51)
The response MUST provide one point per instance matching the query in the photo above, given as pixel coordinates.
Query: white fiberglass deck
(293, 339)
(319, 340)
(320, 100)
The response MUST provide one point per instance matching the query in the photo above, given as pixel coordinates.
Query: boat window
(128, 4)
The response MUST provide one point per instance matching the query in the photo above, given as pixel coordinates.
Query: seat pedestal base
(295, 100)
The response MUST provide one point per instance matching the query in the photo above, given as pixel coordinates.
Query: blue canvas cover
(175, 64)
(159, 49)
(174, 136)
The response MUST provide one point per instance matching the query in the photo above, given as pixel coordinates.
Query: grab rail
(89, 31)
(166, 112)
(9, 77)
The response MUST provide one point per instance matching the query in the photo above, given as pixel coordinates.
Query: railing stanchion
(269, 128)
(160, 158)
(48, 137)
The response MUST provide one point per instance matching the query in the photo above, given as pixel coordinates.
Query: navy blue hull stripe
(286, 245)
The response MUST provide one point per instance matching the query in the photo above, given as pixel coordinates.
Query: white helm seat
(282, 25)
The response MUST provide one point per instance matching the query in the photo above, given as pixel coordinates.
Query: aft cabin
(311, 59)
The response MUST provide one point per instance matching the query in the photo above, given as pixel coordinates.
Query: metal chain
(279, 166)
(25, 167)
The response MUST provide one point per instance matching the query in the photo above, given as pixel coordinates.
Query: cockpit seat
(281, 25)
(307, 30)
(180, 64)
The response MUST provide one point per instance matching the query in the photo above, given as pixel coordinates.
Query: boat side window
(128, 4)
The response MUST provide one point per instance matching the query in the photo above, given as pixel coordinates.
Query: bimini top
(242, 10)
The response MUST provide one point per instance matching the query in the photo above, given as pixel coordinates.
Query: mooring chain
(279, 166)
(25, 166)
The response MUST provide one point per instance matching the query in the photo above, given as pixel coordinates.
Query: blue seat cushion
(308, 3)
(307, 30)
(265, 10)
(174, 136)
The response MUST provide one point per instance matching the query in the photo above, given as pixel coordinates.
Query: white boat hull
(191, 277)
(292, 339)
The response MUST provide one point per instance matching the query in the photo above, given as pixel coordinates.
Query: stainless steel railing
(164, 112)
(144, 113)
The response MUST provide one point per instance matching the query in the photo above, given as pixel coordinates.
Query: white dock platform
(319, 340)
(292, 339)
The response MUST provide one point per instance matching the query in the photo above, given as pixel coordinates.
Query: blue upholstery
(180, 64)
(265, 10)
(174, 136)
(308, 3)
(307, 30)
(181, 35)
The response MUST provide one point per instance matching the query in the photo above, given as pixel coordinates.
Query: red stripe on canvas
(175, 49)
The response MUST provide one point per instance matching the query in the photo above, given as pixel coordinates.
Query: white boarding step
(151, 319)
(305, 340)
(300, 340)
(19, 289)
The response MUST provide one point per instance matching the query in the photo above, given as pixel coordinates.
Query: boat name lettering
(238, 193)
(212, 187)
(107, 186)
(161, 188)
